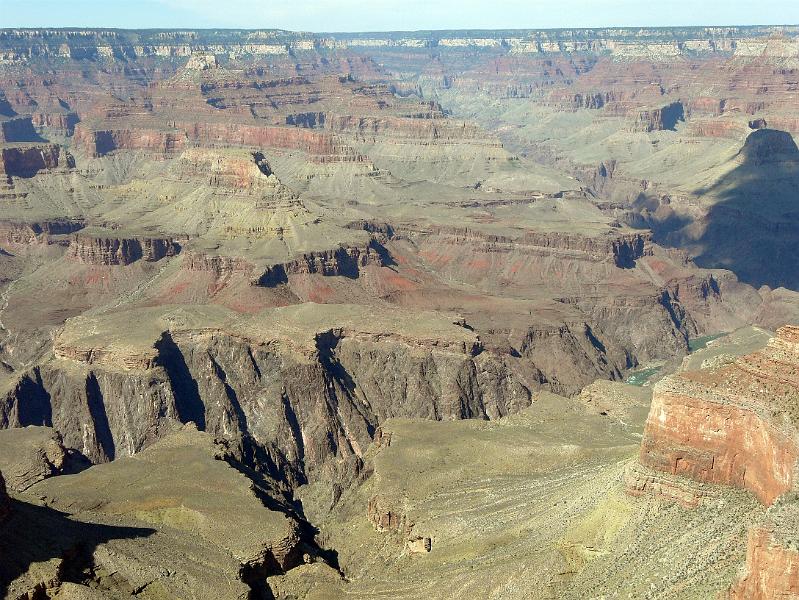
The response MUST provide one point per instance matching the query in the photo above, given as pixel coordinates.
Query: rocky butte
(734, 424)
(292, 315)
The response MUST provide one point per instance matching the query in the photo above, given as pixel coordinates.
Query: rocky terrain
(288, 315)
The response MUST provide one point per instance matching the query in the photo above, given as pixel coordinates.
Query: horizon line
(385, 31)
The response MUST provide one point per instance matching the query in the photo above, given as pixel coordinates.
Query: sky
(392, 15)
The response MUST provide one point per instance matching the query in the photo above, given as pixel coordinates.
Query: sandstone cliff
(734, 423)
(772, 560)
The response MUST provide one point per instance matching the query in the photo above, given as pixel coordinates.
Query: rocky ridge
(734, 424)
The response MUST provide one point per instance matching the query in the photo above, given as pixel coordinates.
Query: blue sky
(382, 15)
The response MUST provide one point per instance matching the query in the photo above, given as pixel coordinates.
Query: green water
(640, 378)
(702, 342)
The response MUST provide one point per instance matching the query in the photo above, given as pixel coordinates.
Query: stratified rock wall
(772, 568)
(309, 404)
(734, 425)
(120, 251)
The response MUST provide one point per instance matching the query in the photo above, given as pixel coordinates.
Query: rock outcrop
(102, 250)
(768, 146)
(305, 386)
(12, 232)
(772, 560)
(27, 161)
(199, 546)
(736, 424)
(660, 119)
(346, 261)
(733, 425)
(29, 455)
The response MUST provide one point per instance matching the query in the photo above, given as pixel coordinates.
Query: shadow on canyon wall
(752, 228)
(35, 534)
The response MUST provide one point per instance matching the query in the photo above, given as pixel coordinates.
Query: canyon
(499, 314)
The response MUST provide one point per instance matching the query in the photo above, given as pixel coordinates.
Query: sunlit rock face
(734, 425)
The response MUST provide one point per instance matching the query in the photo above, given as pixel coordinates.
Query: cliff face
(27, 233)
(660, 119)
(120, 251)
(27, 161)
(734, 425)
(184, 134)
(772, 567)
(25, 45)
(307, 405)
(344, 261)
(696, 434)
(621, 250)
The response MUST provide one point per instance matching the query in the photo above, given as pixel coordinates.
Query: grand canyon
(450, 314)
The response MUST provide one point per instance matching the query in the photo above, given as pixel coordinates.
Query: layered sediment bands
(102, 142)
(222, 170)
(735, 425)
(588, 100)
(346, 261)
(218, 266)
(716, 128)
(620, 249)
(27, 161)
(772, 564)
(120, 251)
(307, 395)
(643, 481)
(423, 129)
(32, 454)
(321, 146)
(29, 233)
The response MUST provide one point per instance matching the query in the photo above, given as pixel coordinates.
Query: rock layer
(306, 385)
(734, 425)
(120, 251)
(772, 567)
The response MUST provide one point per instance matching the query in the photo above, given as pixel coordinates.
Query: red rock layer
(183, 135)
(735, 425)
(772, 569)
